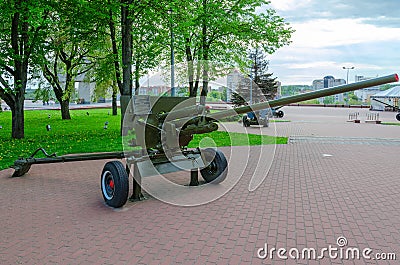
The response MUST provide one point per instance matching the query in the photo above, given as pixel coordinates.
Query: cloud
(294, 11)
(322, 33)
(336, 33)
(287, 5)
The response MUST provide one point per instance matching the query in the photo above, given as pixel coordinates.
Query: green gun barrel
(306, 96)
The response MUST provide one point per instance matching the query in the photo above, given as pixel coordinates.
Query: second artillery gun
(157, 132)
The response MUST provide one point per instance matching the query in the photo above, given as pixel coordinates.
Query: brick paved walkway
(313, 194)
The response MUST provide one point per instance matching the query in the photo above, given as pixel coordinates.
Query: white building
(365, 94)
(329, 81)
(232, 83)
(84, 91)
(279, 89)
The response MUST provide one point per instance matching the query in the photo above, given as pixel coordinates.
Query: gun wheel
(246, 122)
(114, 184)
(217, 166)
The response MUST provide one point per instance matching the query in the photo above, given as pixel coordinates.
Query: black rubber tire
(398, 116)
(217, 166)
(280, 114)
(246, 122)
(114, 184)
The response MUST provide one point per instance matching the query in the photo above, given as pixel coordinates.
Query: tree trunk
(114, 104)
(137, 78)
(204, 50)
(114, 98)
(189, 60)
(117, 68)
(65, 115)
(204, 89)
(17, 112)
(126, 25)
(126, 92)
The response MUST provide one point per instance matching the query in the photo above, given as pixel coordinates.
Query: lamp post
(251, 86)
(347, 81)
(172, 55)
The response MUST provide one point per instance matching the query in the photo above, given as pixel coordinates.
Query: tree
(43, 93)
(105, 81)
(237, 100)
(221, 31)
(261, 77)
(69, 48)
(241, 94)
(138, 12)
(262, 86)
(107, 72)
(148, 40)
(224, 94)
(329, 100)
(103, 72)
(22, 25)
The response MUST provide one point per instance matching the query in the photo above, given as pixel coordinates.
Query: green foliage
(310, 101)
(268, 86)
(44, 94)
(31, 18)
(329, 100)
(221, 138)
(261, 84)
(22, 35)
(30, 94)
(214, 95)
(237, 100)
(69, 37)
(387, 86)
(224, 94)
(291, 90)
(222, 31)
(391, 123)
(69, 48)
(182, 92)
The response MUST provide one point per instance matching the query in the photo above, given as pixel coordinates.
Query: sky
(332, 34)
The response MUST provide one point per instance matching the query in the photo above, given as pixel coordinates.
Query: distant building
(153, 90)
(232, 83)
(279, 89)
(84, 91)
(365, 94)
(329, 81)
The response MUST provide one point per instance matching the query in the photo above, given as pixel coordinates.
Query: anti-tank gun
(164, 127)
(158, 130)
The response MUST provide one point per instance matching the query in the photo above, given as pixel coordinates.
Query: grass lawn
(391, 123)
(85, 134)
